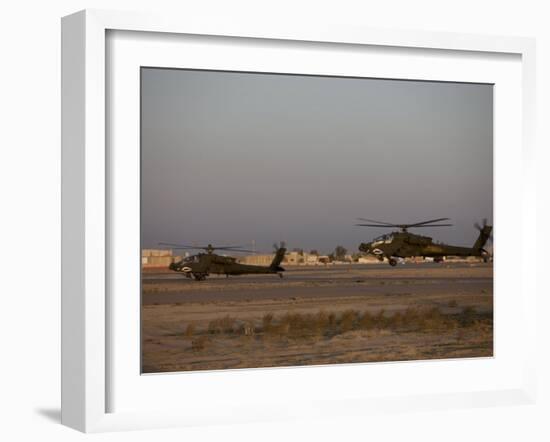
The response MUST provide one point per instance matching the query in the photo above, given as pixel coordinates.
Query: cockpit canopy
(192, 258)
(387, 238)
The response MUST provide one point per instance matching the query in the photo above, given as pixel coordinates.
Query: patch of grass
(349, 320)
(434, 320)
(225, 324)
(322, 321)
(468, 316)
(329, 324)
(366, 321)
(189, 330)
(267, 321)
(299, 325)
(199, 344)
(248, 329)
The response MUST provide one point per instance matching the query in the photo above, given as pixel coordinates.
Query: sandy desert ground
(317, 315)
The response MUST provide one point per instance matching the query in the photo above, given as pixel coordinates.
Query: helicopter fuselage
(204, 264)
(406, 244)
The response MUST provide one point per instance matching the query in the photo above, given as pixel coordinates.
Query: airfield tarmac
(178, 315)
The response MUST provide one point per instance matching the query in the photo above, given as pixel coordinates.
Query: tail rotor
(485, 235)
(281, 245)
(481, 227)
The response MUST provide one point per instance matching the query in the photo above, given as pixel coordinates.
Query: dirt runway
(307, 282)
(317, 315)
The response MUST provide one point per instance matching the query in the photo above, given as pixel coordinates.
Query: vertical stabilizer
(279, 256)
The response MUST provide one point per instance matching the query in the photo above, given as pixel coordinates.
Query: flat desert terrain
(317, 315)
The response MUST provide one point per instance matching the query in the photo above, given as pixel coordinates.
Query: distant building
(291, 258)
(311, 259)
(157, 257)
(256, 260)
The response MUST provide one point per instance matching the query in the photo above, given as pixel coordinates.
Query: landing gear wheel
(280, 275)
(393, 262)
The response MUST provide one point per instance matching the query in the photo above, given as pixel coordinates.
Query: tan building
(157, 257)
(156, 252)
(256, 260)
(291, 258)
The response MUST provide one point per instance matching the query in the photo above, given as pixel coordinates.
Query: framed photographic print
(295, 222)
(240, 158)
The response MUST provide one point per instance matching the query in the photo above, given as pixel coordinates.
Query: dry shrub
(283, 329)
(332, 323)
(267, 321)
(190, 330)
(348, 320)
(366, 321)
(298, 325)
(380, 319)
(247, 329)
(413, 319)
(395, 321)
(199, 343)
(222, 325)
(468, 316)
(433, 319)
(272, 328)
(322, 322)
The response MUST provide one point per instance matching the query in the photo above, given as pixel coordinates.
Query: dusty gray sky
(229, 158)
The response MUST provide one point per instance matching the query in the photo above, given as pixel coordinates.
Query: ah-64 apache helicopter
(403, 244)
(201, 265)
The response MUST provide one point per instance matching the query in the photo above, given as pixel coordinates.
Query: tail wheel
(393, 262)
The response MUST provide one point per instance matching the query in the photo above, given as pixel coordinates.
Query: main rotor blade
(427, 222)
(402, 226)
(377, 225)
(235, 250)
(179, 246)
(482, 226)
(430, 225)
(378, 222)
(225, 247)
(405, 226)
(208, 247)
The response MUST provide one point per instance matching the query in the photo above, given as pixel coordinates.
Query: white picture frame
(86, 205)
